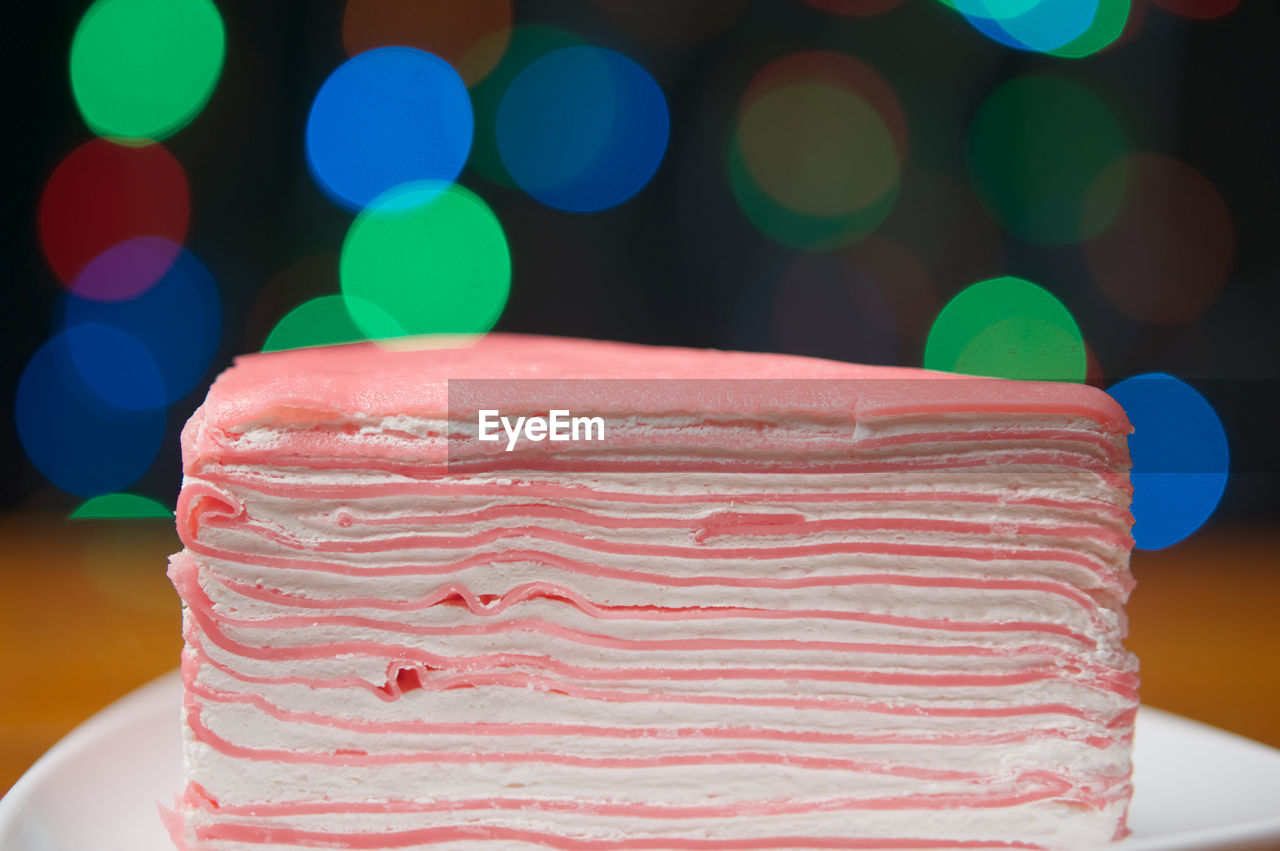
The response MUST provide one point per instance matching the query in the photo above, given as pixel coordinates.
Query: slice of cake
(538, 592)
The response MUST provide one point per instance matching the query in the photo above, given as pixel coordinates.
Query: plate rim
(120, 712)
(1241, 834)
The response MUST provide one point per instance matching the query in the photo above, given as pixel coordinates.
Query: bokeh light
(470, 36)
(326, 320)
(794, 229)
(1107, 29)
(304, 278)
(826, 308)
(815, 159)
(433, 257)
(1168, 252)
(1034, 25)
(1093, 368)
(78, 441)
(904, 282)
(386, 117)
(1139, 11)
(527, 43)
(856, 8)
(116, 366)
(939, 219)
(1007, 328)
(673, 21)
(1180, 457)
(836, 70)
(126, 270)
(178, 321)
(102, 195)
(582, 128)
(142, 69)
(846, 166)
(1034, 147)
(120, 506)
(996, 8)
(1068, 28)
(1201, 9)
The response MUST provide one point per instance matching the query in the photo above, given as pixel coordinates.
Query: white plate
(98, 789)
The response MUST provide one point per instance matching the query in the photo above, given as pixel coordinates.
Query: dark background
(680, 263)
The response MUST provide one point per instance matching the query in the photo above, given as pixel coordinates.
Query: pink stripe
(345, 458)
(557, 490)
(489, 536)
(749, 437)
(201, 600)
(392, 690)
(480, 670)
(1040, 462)
(775, 451)
(263, 835)
(725, 523)
(746, 809)
(199, 799)
(363, 758)
(1061, 589)
(594, 731)
(488, 662)
(459, 593)
(201, 608)
(429, 665)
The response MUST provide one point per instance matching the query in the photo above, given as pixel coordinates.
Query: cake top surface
(413, 377)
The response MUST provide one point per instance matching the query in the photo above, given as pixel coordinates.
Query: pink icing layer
(367, 379)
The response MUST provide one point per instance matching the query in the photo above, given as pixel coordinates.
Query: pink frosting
(366, 378)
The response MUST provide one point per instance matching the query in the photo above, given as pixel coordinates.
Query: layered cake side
(783, 603)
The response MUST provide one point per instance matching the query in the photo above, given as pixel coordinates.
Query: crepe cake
(783, 603)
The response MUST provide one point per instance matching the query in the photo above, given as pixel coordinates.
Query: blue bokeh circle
(116, 366)
(178, 320)
(582, 129)
(388, 116)
(74, 437)
(1040, 27)
(1180, 457)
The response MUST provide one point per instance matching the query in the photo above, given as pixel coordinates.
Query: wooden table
(86, 614)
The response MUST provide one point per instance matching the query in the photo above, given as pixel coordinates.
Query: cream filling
(305, 521)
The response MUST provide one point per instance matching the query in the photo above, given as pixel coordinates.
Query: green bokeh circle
(142, 69)
(432, 257)
(1107, 26)
(1033, 149)
(120, 506)
(1007, 328)
(326, 321)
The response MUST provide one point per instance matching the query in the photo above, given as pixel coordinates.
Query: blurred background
(1073, 190)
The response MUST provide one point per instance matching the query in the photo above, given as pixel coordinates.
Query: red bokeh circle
(102, 194)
